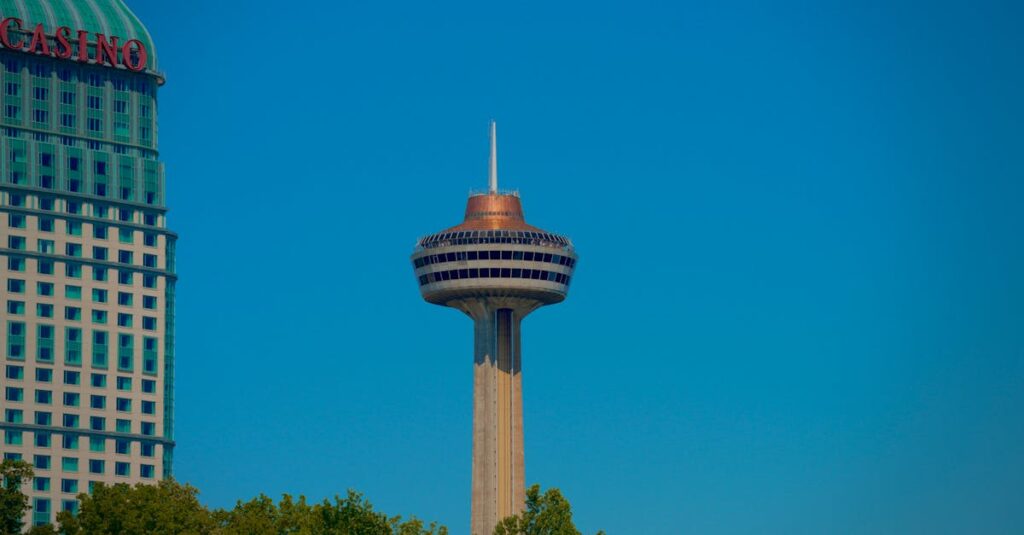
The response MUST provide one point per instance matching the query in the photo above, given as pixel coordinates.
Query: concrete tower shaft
(496, 269)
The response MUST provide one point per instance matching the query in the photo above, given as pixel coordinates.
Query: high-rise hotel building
(86, 261)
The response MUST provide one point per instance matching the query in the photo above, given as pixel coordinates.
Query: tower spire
(493, 175)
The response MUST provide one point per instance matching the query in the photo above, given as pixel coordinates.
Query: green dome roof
(109, 17)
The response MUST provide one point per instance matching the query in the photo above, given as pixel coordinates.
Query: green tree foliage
(170, 507)
(352, 515)
(167, 507)
(13, 503)
(545, 514)
(45, 529)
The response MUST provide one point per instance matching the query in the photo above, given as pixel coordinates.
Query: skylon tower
(497, 269)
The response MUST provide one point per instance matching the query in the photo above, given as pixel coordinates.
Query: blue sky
(799, 306)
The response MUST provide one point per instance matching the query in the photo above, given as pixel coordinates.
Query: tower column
(499, 487)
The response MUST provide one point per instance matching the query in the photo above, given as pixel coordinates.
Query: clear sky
(799, 305)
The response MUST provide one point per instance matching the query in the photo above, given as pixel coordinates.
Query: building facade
(86, 259)
(496, 269)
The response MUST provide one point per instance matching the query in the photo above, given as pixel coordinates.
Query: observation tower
(496, 269)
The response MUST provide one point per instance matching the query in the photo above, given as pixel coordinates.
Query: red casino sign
(68, 43)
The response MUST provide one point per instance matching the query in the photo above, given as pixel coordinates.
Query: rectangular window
(73, 292)
(69, 464)
(99, 296)
(96, 466)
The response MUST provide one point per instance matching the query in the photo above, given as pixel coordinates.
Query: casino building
(86, 260)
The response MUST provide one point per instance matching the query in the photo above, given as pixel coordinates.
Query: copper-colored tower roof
(494, 211)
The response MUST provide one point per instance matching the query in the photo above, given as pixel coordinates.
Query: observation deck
(494, 253)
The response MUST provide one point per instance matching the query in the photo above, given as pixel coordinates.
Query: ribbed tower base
(499, 488)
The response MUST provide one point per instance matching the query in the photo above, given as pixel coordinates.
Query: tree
(167, 507)
(352, 515)
(13, 502)
(545, 514)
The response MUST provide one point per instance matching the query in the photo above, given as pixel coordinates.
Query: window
(44, 288)
(149, 260)
(125, 235)
(72, 377)
(44, 397)
(124, 383)
(97, 423)
(41, 484)
(74, 228)
(16, 242)
(124, 405)
(99, 380)
(148, 281)
(122, 447)
(148, 449)
(73, 292)
(124, 257)
(16, 307)
(124, 320)
(69, 464)
(149, 323)
(42, 439)
(46, 224)
(99, 316)
(73, 313)
(99, 296)
(148, 428)
(71, 399)
(14, 394)
(124, 277)
(69, 486)
(146, 471)
(99, 273)
(69, 442)
(44, 267)
(16, 286)
(44, 418)
(45, 246)
(16, 264)
(149, 386)
(73, 249)
(16, 221)
(12, 437)
(97, 402)
(73, 270)
(96, 466)
(13, 416)
(122, 469)
(41, 462)
(99, 253)
(100, 232)
(149, 302)
(44, 310)
(148, 407)
(16, 373)
(149, 239)
(70, 420)
(44, 375)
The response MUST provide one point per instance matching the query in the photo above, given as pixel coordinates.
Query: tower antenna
(493, 175)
